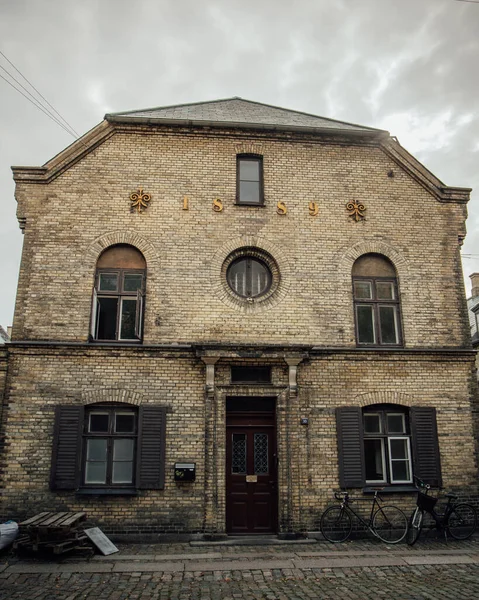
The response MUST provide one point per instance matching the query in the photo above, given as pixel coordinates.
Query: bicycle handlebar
(419, 483)
(342, 496)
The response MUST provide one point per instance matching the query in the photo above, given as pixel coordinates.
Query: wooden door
(251, 481)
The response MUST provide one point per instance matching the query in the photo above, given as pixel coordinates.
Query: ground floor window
(113, 448)
(387, 448)
(387, 444)
(110, 446)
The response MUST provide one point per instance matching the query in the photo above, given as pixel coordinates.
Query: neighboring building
(473, 308)
(273, 297)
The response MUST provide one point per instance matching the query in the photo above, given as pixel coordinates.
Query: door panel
(251, 495)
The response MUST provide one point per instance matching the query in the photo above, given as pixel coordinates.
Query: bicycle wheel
(415, 526)
(336, 524)
(462, 521)
(390, 524)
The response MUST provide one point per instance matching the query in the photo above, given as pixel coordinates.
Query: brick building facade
(270, 296)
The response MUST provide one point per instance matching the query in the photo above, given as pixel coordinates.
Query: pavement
(291, 570)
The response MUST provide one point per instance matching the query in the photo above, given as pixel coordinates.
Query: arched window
(376, 302)
(118, 294)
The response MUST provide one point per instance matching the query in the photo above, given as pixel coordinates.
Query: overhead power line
(34, 101)
(38, 102)
(38, 106)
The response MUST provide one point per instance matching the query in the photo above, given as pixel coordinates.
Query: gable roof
(239, 112)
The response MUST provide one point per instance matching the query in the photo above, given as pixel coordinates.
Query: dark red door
(251, 490)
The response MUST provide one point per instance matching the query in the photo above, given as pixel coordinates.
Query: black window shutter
(65, 469)
(151, 448)
(349, 426)
(427, 462)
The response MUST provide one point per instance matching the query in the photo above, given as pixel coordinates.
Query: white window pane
(96, 450)
(122, 472)
(123, 450)
(249, 191)
(400, 471)
(95, 472)
(400, 460)
(249, 170)
(398, 448)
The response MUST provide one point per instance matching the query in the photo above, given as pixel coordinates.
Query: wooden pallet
(54, 533)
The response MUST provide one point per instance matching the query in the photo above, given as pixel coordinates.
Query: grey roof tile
(241, 112)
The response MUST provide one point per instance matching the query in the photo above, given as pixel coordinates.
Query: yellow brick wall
(86, 208)
(307, 455)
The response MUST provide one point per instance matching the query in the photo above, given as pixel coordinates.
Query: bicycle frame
(440, 519)
(465, 517)
(345, 504)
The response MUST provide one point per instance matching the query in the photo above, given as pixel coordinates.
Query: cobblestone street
(356, 570)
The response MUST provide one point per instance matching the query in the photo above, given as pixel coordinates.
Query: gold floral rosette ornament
(139, 200)
(356, 210)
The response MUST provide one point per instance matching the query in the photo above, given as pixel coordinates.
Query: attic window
(249, 179)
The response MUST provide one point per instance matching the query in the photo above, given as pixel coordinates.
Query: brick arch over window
(111, 395)
(123, 237)
(349, 257)
(384, 397)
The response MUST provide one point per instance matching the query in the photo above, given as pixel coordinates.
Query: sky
(408, 66)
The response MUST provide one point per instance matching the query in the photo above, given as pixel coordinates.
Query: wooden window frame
(68, 444)
(376, 303)
(111, 435)
(120, 294)
(386, 436)
(424, 445)
(251, 158)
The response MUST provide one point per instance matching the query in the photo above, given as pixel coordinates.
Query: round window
(249, 277)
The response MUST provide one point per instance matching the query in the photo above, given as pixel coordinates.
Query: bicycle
(459, 520)
(387, 522)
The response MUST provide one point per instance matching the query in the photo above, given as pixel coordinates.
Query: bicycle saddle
(452, 496)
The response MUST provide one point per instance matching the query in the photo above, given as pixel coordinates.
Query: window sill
(258, 204)
(107, 492)
(390, 489)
